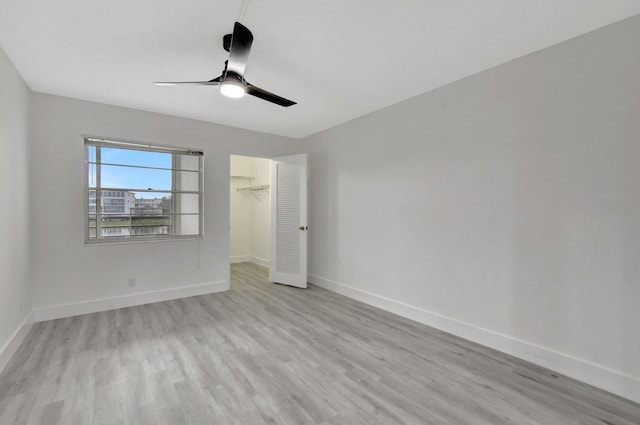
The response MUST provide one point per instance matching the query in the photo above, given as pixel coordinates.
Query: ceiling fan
(232, 82)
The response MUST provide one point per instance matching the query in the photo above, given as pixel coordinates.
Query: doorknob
(302, 228)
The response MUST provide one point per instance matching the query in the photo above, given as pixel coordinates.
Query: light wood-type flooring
(269, 354)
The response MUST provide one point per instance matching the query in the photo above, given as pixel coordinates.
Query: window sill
(126, 241)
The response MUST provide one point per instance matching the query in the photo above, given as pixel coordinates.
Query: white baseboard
(616, 382)
(240, 259)
(11, 346)
(140, 298)
(250, 259)
(260, 261)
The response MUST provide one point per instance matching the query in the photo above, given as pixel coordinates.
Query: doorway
(268, 216)
(250, 210)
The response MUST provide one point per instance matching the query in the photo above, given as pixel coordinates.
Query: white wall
(68, 272)
(250, 212)
(261, 214)
(240, 210)
(15, 219)
(504, 207)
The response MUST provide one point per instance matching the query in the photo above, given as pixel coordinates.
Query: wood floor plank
(270, 354)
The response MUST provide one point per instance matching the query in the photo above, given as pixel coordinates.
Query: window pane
(114, 226)
(91, 169)
(160, 203)
(187, 162)
(135, 178)
(187, 203)
(187, 181)
(112, 202)
(92, 203)
(149, 203)
(144, 226)
(187, 225)
(92, 226)
(135, 157)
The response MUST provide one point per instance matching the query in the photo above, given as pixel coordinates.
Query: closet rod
(254, 188)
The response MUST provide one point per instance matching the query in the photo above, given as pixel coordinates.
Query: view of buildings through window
(138, 192)
(119, 209)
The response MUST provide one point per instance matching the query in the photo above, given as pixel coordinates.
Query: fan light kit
(232, 89)
(232, 82)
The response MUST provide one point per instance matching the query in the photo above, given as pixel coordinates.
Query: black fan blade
(241, 41)
(214, 82)
(269, 97)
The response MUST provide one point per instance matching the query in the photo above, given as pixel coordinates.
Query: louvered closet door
(289, 220)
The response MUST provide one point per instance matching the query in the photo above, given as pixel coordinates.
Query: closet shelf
(253, 189)
(242, 177)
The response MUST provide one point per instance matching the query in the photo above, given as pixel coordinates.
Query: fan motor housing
(226, 42)
(232, 76)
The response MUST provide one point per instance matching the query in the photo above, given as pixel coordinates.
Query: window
(140, 192)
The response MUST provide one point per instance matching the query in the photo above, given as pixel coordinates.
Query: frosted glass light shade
(232, 89)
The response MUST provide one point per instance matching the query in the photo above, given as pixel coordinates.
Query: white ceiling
(339, 59)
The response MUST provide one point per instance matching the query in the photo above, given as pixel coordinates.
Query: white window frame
(122, 144)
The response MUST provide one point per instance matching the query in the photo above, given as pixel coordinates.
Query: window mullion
(147, 167)
(174, 198)
(98, 193)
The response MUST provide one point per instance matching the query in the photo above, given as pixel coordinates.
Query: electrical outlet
(131, 282)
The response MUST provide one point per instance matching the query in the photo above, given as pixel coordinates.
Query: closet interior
(250, 215)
